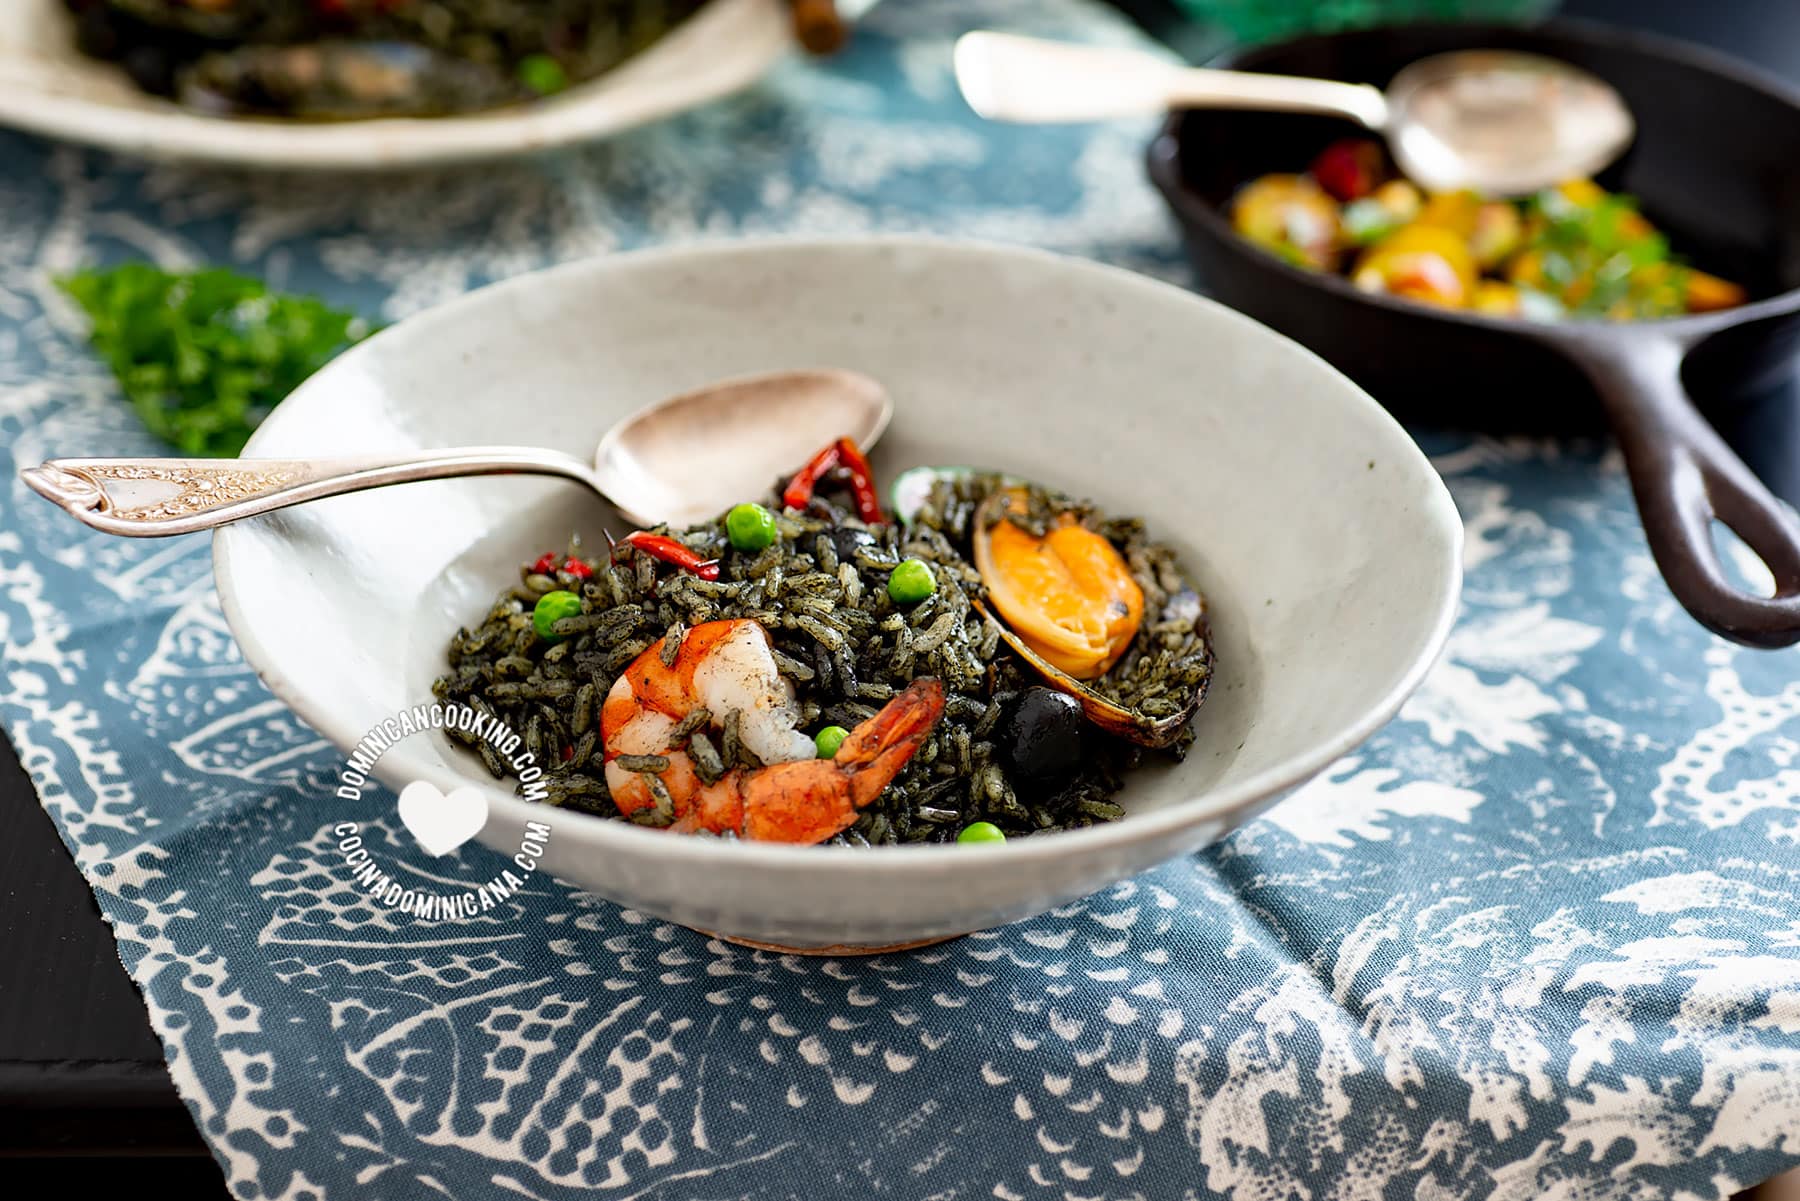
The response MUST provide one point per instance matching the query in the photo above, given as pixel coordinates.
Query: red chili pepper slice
(846, 454)
(862, 482)
(546, 563)
(799, 492)
(658, 546)
(577, 568)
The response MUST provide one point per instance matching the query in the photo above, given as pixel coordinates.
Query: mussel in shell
(1098, 610)
(341, 81)
(1064, 590)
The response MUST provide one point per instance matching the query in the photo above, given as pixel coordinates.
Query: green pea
(829, 740)
(750, 527)
(981, 832)
(911, 582)
(542, 74)
(551, 608)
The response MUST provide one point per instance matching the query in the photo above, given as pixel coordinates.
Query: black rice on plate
(1007, 750)
(348, 59)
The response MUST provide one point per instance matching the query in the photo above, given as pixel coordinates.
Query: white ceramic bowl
(1327, 546)
(48, 87)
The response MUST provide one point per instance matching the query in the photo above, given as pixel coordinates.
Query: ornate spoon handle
(154, 498)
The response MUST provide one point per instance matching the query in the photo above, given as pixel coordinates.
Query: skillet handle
(1684, 476)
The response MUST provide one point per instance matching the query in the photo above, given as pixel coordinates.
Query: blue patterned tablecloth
(1539, 939)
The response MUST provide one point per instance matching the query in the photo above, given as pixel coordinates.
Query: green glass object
(1274, 20)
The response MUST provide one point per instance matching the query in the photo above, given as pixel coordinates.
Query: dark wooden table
(86, 1099)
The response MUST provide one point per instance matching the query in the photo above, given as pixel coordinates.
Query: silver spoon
(681, 461)
(1499, 121)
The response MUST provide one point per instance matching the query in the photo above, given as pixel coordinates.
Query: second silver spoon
(1499, 121)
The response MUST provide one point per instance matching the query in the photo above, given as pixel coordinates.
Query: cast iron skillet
(1716, 165)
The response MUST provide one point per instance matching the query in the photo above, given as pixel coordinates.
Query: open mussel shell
(1183, 608)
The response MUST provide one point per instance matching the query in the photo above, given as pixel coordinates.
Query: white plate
(48, 87)
(1327, 546)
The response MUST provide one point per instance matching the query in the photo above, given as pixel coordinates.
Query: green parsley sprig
(204, 356)
(1593, 254)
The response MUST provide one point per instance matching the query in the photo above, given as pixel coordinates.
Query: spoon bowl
(678, 461)
(1502, 122)
(690, 457)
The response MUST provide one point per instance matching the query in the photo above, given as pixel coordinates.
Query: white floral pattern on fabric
(1539, 938)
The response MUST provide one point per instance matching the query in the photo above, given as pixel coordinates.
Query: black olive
(151, 67)
(1042, 736)
(846, 540)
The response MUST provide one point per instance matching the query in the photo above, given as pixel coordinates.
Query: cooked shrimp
(729, 666)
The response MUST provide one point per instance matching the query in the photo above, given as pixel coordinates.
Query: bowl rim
(1163, 160)
(754, 34)
(1436, 508)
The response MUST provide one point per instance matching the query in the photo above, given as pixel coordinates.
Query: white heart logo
(441, 823)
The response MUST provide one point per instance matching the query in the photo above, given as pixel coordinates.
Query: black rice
(465, 54)
(821, 593)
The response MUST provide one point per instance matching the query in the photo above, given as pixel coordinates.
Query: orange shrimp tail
(811, 801)
(875, 751)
